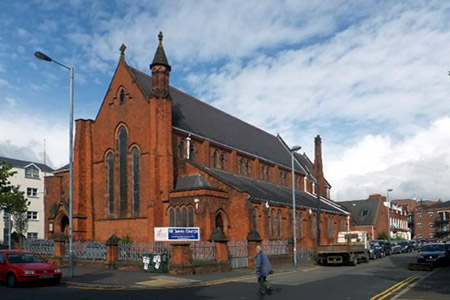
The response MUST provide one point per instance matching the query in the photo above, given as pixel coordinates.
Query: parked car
(396, 248)
(375, 250)
(386, 246)
(435, 253)
(94, 250)
(404, 246)
(25, 266)
(413, 245)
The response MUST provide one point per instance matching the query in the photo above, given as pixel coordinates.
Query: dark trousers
(262, 284)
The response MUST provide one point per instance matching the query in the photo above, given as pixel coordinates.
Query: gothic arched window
(178, 217)
(191, 151)
(110, 182)
(247, 168)
(241, 166)
(255, 218)
(123, 174)
(121, 96)
(184, 221)
(272, 223)
(191, 216)
(171, 218)
(181, 149)
(279, 223)
(214, 158)
(222, 161)
(136, 188)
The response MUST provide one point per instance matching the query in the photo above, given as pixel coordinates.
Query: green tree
(12, 200)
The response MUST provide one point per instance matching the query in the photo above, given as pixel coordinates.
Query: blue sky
(369, 76)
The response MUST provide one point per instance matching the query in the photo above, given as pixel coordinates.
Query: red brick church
(157, 157)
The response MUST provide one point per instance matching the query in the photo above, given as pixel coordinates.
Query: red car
(25, 266)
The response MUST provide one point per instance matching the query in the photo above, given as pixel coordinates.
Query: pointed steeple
(160, 58)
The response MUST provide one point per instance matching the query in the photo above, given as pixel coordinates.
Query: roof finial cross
(122, 49)
(160, 36)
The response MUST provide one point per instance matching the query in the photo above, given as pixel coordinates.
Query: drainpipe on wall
(188, 146)
(373, 234)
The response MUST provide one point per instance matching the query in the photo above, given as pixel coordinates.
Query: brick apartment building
(432, 220)
(157, 157)
(371, 215)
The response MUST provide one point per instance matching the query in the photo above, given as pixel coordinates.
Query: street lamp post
(44, 57)
(294, 221)
(389, 213)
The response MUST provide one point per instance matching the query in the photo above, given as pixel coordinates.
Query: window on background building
(431, 225)
(32, 235)
(419, 225)
(110, 182)
(123, 174)
(222, 161)
(214, 159)
(136, 184)
(181, 149)
(32, 172)
(32, 215)
(32, 192)
(419, 216)
(364, 212)
(431, 215)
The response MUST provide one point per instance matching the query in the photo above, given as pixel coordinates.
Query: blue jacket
(263, 266)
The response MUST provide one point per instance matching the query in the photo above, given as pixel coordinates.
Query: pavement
(90, 278)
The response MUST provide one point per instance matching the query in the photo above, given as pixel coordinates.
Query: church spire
(160, 58)
(160, 72)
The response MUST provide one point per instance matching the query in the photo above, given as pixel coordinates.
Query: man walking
(263, 268)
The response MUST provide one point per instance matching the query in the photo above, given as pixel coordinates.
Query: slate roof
(265, 191)
(194, 116)
(356, 208)
(308, 164)
(445, 204)
(191, 182)
(22, 164)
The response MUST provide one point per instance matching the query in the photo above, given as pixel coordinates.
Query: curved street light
(44, 57)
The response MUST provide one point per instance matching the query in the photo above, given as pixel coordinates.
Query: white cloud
(22, 137)
(418, 165)
(3, 82)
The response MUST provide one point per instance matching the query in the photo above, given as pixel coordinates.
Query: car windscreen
(23, 258)
(432, 248)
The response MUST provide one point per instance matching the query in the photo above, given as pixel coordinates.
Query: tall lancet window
(110, 182)
(122, 145)
(136, 192)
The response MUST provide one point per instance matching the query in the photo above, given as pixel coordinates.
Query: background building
(432, 220)
(30, 177)
(371, 215)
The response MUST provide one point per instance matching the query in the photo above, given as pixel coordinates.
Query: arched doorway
(64, 225)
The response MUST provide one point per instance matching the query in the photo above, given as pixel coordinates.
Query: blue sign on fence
(177, 233)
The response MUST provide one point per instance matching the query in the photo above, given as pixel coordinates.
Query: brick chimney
(318, 166)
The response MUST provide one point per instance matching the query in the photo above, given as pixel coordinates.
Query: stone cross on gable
(122, 49)
(160, 36)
